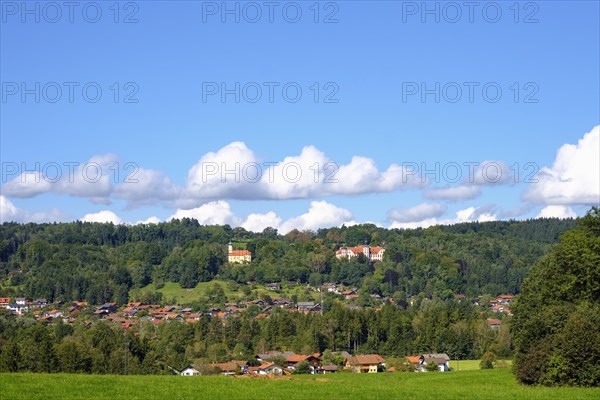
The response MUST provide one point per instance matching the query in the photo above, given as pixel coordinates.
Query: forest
(103, 262)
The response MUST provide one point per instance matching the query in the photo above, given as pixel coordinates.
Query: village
(271, 362)
(132, 312)
(280, 363)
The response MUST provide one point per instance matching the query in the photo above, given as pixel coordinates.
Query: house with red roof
(269, 368)
(238, 256)
(293, 360)
(494, 323)
(369, 363)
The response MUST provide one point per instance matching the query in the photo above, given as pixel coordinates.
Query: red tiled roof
(413, 359)
(296, 358)
(359, 249)
(226, 367)
(239, 253)
(266, 365)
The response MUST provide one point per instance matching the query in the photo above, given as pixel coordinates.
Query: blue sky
(388, 75)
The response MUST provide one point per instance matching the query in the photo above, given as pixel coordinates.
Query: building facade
(238, 256)
(372, 253)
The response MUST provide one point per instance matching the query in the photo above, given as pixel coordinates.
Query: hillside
(103, 262)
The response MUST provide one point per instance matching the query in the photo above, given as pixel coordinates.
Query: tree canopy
(556, 322)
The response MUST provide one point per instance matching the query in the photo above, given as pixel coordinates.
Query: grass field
(489, 384)
(471, 365)
(185, 296)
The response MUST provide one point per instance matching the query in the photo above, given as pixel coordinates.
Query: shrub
(488, 360)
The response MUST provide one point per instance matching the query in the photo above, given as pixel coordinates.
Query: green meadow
(173, 290)
(483, 384)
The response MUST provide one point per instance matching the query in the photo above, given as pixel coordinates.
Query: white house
(269, 368)
(18, 309)
(189, 371)
(441, 360)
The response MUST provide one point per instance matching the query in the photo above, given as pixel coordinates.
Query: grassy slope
(173, 290)
(490, 384)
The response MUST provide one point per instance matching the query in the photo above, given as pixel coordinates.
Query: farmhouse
(413, 361)
(494, 323)
(327, 369)
(269, 355)
(374, 253)
(189, 371)
(441, 360)
(17, 308)
(238, 256)
(268, 368)
(232, 367)
(295, 359)
(308, 306)
(369, 363)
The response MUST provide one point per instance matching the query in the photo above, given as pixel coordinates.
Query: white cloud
(151, 220)
(481, 214)
(213, 213)
(258, 222)
(91, 179)
(232, 172)
(470, 214)
(146, 186)
(574, 178)
(488, 172)
(417, 213)
(453, 193)
(27, 184)
(10, 213)
(557, 212)
(102, 216)
(236, 172)
(320, 215)
(228, 173)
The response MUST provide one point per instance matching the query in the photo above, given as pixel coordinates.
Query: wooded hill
(102, 262)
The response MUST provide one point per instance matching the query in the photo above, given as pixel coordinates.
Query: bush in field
(303, 367)
(488, 360)
(432, 367)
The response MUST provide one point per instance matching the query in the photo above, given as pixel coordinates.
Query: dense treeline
(557, 317)
(97, 346)
(103, 262)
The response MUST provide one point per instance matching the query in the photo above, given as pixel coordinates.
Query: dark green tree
(557, 317)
